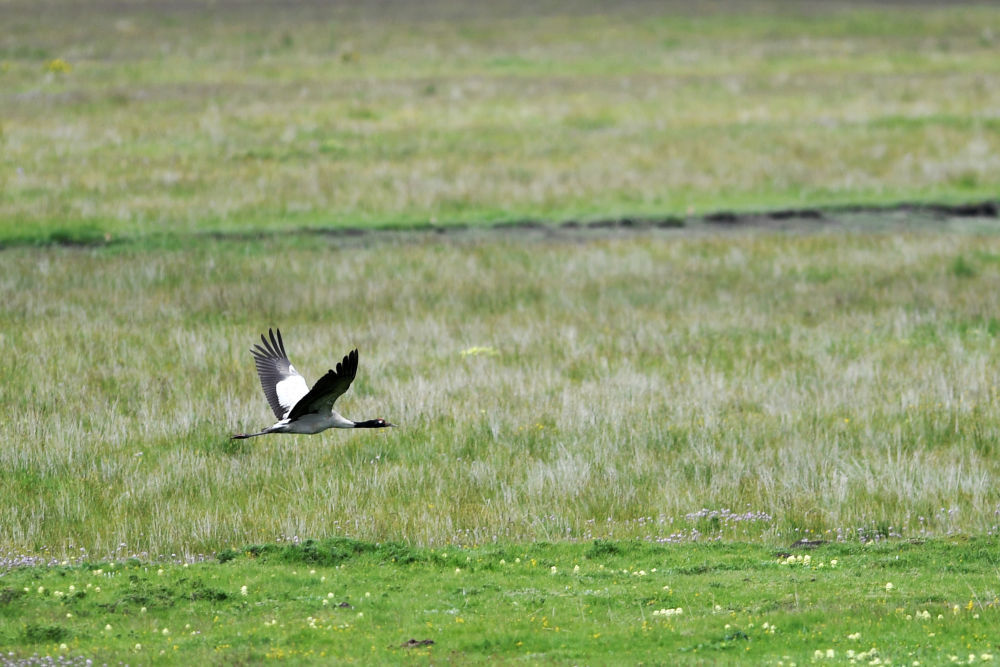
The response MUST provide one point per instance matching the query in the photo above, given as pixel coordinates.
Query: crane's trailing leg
(244, 436)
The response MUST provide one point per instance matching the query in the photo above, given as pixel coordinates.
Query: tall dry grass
(832, 382)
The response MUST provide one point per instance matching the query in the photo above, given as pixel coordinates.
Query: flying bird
(298, 408)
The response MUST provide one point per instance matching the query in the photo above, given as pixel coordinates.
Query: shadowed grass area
(665, 385)
(171, 118)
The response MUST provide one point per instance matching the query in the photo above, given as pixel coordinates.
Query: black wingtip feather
(277, 345)
(271, 349)
(349, 366)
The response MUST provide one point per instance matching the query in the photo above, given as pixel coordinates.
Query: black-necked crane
(298, 408)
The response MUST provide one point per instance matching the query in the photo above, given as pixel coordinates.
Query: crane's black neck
(371, 423)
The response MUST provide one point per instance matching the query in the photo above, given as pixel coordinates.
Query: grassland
(684, 402)
(159, 118)
(826, 382)
(605, 603)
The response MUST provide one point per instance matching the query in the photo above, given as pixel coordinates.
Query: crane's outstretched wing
(282, 384)
(328, 388)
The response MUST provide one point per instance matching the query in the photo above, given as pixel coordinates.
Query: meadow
(815, 382)
(151, 118)
(617, 602)
(596, 421)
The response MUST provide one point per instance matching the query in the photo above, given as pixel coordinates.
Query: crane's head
(373, 423)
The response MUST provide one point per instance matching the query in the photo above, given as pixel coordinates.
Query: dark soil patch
(790, 218)
(802, 219)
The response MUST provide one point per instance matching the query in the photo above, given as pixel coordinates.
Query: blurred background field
(151, 118)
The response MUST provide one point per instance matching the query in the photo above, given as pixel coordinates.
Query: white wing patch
(290, 390)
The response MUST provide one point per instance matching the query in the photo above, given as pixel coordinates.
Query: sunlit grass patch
(563, 602)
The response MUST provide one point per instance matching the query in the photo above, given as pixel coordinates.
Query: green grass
(178, 119)
(692, 400)
(602, 602)
(838, 382)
